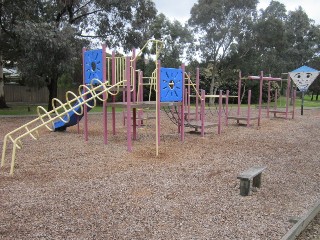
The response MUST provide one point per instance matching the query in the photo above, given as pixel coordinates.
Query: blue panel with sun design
(171, 84)
(93, 65)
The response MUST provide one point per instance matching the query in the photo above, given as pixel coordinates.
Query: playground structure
(103, 77)
(248, 117)
(108, 76)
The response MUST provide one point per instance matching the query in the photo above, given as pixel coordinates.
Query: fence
(23, 94)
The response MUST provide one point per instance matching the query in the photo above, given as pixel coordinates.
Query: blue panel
(305, 69)
(93, 65)
(171, 84)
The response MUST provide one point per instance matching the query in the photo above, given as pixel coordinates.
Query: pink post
(269, 98)
(287, 97)
(113, 76)
(186, 104)
(275, 103)
(182, 106)
(227, 107)
(134, 75)
(140, 97)
(249, 108)
(260, 97)
(78, 125)
(197, 97)
(203, 100)
(294, 102)
(220, 112)
(158, 100)
(129, 140)
(105, 115)
(239, 94)
(189, 92)
(85, 108)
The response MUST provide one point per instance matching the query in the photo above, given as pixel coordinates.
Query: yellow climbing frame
(87, 93)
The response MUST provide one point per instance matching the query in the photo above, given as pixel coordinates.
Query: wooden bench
(245, 177)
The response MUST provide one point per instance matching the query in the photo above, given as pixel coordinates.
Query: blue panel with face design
(93, 65)
(171, 84)
(303, 77)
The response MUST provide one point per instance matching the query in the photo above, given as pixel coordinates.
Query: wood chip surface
(66, 188)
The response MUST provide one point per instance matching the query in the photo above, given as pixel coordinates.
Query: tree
(44, 36)
(303, 39)
(219, 24)
(175, 37)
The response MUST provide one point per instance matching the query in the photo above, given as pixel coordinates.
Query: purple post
(260, 97)
(85, 109)
(249, 108)
(105, 115)
(129, 140)
(202, 111)
(220, 112)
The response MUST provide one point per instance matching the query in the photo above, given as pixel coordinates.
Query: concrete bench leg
(244, 187)
(256, 181)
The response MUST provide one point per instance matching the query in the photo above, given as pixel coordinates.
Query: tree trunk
(317, 96)
(211, 100)
(311, 97)
(3, 103)
(53, 91)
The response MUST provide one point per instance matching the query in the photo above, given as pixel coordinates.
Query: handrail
(158, 49)
(90, 93)
(193, 85)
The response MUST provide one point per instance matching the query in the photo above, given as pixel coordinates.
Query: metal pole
(302, 102)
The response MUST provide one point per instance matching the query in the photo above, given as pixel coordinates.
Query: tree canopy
(44, 38)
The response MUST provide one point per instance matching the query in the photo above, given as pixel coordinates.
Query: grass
(24, 109)
(21, 109)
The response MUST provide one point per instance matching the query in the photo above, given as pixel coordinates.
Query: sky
(180, 10)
